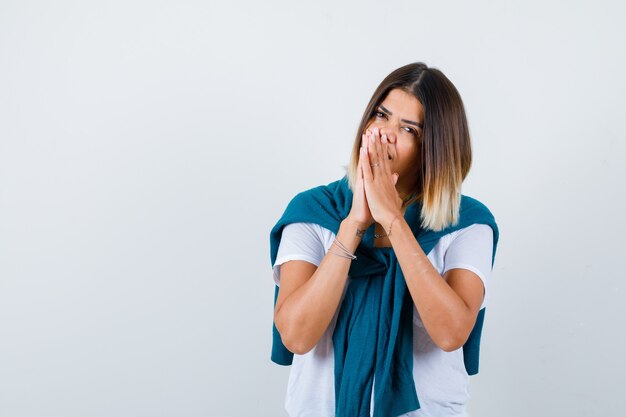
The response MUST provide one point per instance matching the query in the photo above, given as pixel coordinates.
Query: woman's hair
(446, 153)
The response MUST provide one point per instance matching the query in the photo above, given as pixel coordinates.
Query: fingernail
(384, 138)
(372, 137)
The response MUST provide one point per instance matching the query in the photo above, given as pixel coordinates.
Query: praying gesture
(389, 162)
(379, 182)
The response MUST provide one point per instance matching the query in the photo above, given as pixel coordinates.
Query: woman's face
(400, 116)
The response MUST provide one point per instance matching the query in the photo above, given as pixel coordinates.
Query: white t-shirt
(441, 380)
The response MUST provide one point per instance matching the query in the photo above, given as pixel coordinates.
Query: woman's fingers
(373, 155)
(365, 165)
(385, 154)
(373, 149)
(381, 150)
(362, 152)
(378, 152)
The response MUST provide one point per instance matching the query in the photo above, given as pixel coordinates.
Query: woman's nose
(391, 135)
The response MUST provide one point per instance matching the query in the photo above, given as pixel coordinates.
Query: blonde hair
(446, 153)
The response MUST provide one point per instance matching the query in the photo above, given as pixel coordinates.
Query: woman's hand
(360, 213)
(379, 182)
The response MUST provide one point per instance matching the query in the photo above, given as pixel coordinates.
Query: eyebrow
(402, 120)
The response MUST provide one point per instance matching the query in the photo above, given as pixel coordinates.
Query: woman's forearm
(446, 317)
(305, 314)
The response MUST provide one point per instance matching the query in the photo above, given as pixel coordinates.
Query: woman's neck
(403, 194)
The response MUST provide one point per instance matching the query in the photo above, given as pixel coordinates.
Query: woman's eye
(379, 114)
(411, 130)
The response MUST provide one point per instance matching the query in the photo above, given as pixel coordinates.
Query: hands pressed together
(375, 196)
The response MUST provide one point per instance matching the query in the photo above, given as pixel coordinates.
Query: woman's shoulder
(473, 230)
(307, 228)
(474, 211)
(468, 202)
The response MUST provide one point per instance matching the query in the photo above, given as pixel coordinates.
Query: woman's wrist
(347, 240)
(358, 226)
(388, 221)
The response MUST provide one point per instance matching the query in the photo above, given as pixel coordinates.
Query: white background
(148, 147)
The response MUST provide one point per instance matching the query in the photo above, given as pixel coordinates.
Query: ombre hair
(446, 153)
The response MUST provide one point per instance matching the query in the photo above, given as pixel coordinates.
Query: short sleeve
(302, 242)
(472, 249)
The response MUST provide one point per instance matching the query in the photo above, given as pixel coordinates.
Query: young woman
(381, 276)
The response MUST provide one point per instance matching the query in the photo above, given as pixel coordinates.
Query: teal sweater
(373, 335)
